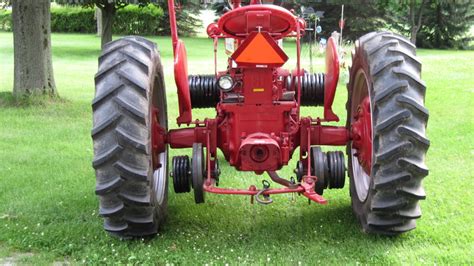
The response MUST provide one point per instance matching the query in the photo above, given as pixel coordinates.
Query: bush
(5, 20)
(187, 20)
(129, 20)
(73, 19)
(138, 20)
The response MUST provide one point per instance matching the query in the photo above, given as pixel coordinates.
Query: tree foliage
(430, 23)
(405, 17)
(108, 10)
(187, 22)
(102, 3)
(446, 25)
(4, 3)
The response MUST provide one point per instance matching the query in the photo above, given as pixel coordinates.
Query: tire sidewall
(157, 89)
(361, 208)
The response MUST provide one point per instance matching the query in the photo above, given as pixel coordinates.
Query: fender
(180, 70)
(332, 77)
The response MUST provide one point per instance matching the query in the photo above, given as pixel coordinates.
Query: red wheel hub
(158, 136)
(362, 134)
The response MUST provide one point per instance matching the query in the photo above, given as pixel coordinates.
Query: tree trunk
(413, 27)
(98, 18)
(414, 32)
(415, 19)
(108, 14)
(437, 35)
(32, 48)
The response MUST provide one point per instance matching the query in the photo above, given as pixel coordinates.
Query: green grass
(48, 207)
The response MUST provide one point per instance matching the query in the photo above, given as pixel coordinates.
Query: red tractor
(258, 125)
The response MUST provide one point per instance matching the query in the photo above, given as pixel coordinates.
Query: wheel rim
(159, 177)
(159, 151)
(198, 172)
(361, 128)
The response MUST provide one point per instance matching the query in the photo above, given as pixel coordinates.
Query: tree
(4, 3)
(187, 23)
(446, 25)
(108, 9)
(432, 24)
(33, 68)
(98, 18)
(416, 17)
(405, 16)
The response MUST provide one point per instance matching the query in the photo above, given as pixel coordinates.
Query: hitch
(266, 198)
(306, 188)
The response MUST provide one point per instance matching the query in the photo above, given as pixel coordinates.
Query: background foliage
(132, 19)
(186, 16)
(445, 24)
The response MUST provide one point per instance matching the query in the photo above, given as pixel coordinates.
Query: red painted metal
(299, 73)
(258, 125)
(362, 134)
(332, 77)
(259, 152)
(250, 192)
(259, 115)
(236, 3)
(173, 24)
(306, 188)
(158, 137)
(180, 70)
(213, 30)
(182, 84)
(240, 22)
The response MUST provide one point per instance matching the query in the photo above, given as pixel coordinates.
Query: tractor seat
(240, 22)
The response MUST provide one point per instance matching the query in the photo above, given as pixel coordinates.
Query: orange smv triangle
(259, 50)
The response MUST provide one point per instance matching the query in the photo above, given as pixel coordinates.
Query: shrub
(138, 20)
(5, 20)
(73, 19)
(129, 20)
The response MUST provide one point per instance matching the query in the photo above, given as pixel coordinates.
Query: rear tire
(132, 191)
(385, 198)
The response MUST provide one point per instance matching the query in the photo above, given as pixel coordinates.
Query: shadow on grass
(280, 226)
(7, 99)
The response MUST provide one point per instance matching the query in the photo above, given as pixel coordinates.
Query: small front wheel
(387, 120)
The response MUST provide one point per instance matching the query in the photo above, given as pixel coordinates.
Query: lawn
(48, 210)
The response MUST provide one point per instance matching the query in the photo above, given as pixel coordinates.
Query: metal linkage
(265, 200)
(306, 188)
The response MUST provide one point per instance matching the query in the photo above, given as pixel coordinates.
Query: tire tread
(399, 124)
(120, 110)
